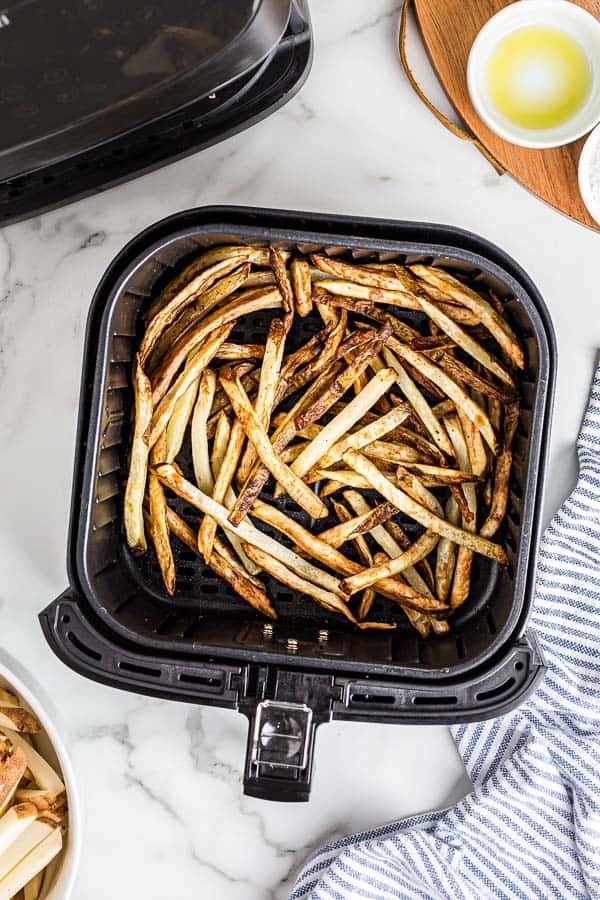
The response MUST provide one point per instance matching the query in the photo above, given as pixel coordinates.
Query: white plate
(583, 173)
(51, 744)
(562, 14)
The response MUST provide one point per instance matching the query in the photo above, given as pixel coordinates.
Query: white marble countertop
(356, 140)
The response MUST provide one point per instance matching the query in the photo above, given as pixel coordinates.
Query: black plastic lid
(75, 74)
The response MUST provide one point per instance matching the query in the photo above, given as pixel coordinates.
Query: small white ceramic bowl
(14, 678)
(584, 173)
(563, 14)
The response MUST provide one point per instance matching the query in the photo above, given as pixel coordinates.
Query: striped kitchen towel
(530, 828)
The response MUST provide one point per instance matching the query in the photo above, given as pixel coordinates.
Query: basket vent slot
(204, 680)
(425, 700)
(83, 648)
(139, 670)
(497, 691)
(388, 699)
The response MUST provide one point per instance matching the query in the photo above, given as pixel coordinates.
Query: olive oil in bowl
(538, 77)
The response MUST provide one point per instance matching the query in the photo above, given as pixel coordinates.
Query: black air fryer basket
(115, 623)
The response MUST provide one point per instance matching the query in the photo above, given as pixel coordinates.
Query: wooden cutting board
(448, 28)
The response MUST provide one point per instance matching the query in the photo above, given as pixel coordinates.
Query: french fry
(223, 479)
(488, 316)
(418, 403)
(341, 423)
(477, 455)
(418, 512)
(267, 389)
(168, 313)
(466, 342)
(454, 391)
(445, 559)
(328, 555)
(364, 436)
(241, 584)
(296, 488)
(419, 550)
(158, 527)
(364, 553)
(464, 557)
(301, 283)
(163, 412)
(458, 370)
(238, 352)
(138, 461)
(199, 435)
(352, 526)
(179, 420)
(247, 303)
(325, 598)
(172, 478)
(501, 475)
(277, 263)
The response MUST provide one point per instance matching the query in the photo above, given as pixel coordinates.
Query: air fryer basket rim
(342, 231)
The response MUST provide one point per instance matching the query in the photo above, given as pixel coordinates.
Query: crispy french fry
(492, 320)
(158, 528)
(446, 555)
(267, 389)
(418, 512)
(341, 423)
(301, 283)
(138, 461)
(277, 263)
(458, 370)
(352, 526)
(330, 601)
(199, 435)
(366, 435)
(466, 342)
(191, 373)
(364, 553)
(296, 488)
(477, 455)
(179, 420)
(501, 475)
(464, 557)
(248, 302)
(418, 403)
(242, 584)
(238, 352)
(419, 550)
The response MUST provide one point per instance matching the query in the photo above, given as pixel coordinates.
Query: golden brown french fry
(464, 557)
(247, 302)
(301, 283)
(178, 303)
(179, 420)
(416, 489)
(326, 554)
(267, 389)
(419, 513)
(199, 434)
(418, 551)
(366, 435)
(351, 526)
(242, 584)
(198, 310)
(158, 527)
(238, 352)
(477, 455)
(340, 424)
(325, 598)
(223, 479)
(453, 390)
(461, 372)
(191, 373)
(439, 473)
(277, 263)
(138, 461)
(446, 555)
(492, 320)
(414, 396)
(466, 342)
(364, 554)
(444, 408)
(173, 479)
(296, 488)
(502, 469)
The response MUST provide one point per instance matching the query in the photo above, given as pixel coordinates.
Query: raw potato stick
(34, 862)
(301, 283)
(138, 461)
(418, 512)
(43, 773)
(299, 491)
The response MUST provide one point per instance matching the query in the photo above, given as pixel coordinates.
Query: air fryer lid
(75, 74)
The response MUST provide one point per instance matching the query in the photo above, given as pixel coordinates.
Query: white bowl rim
(583, 169)
(25, 685)
(519, 136)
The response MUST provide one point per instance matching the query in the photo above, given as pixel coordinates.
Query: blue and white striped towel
(530, 828)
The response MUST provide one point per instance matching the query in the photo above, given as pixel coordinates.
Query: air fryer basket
(117, 624)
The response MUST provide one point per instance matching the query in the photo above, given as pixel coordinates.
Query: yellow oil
(538, 77)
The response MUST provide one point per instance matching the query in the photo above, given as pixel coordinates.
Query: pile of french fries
(380, 419)
(33, 805)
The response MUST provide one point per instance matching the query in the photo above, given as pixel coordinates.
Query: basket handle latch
(281, 737)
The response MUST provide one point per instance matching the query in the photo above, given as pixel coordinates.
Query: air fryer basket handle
(279, 753)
